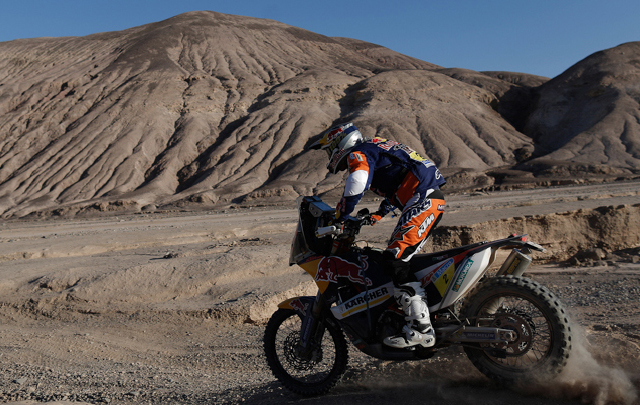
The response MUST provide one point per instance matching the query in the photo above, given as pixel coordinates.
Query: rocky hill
(588, 117)
(213, 109)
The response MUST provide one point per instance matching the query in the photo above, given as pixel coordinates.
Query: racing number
(443, 281)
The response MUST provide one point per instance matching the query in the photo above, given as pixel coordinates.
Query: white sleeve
(356, 183)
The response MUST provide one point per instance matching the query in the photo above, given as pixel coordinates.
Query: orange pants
(419, 217)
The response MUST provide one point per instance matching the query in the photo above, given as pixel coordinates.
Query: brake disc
(294, 359)
(522, 329)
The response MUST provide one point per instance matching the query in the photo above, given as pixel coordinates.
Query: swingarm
(475, 334)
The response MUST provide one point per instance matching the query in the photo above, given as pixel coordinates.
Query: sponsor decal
(330, 268)
(398, 236)
(440, 207)
(480, 335)
(337, 157)
(424, 280)
(359, 302)
(388, 144)
(298, 306)
(515, 263)
(426, 205)
(443, 281)
(415, 156)
(441, 276)
(463, 275)
(332, 135)
(425, 225)
(437, 273)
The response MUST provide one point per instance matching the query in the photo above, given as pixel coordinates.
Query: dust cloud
(586, 379)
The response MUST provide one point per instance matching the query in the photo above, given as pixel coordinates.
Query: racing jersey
(391, 170)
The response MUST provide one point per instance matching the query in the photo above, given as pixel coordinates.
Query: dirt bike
(511, 327)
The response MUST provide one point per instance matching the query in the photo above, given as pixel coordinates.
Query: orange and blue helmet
(337, 142)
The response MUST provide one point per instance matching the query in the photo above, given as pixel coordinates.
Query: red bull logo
(298, 306)
(332, 267)
(331, 136)
(336, 157)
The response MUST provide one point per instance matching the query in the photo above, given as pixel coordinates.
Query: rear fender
(302, 305)
(467, 274)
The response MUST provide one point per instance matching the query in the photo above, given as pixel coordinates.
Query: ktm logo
(425, 225)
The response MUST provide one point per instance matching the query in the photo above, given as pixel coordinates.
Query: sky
(538, 37)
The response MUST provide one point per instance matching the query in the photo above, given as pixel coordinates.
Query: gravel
(181, 359)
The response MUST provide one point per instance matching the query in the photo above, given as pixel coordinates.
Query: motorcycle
(511, 327)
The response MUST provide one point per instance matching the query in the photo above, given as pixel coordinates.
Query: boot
(418, 330)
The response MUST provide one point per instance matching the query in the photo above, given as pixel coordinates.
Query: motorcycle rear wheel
(542, 343)
(306, 376)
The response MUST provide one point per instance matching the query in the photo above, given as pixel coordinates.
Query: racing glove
(384, 208)
(367, 218)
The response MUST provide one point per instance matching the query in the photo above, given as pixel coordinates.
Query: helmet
(338, 141)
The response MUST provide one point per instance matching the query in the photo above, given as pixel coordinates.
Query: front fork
(311, 332)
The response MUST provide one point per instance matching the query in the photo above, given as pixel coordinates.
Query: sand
(169, 307)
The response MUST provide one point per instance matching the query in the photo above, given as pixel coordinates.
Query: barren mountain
(212, 108)
(589, 116)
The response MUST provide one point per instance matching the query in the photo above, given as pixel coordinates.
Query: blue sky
(537, 37)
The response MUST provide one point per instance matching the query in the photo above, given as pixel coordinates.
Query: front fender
(302, 305)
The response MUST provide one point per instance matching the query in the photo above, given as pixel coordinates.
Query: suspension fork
(312, 329)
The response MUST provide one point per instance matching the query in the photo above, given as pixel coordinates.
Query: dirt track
(169, 308)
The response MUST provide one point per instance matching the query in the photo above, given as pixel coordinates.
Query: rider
(408, 182)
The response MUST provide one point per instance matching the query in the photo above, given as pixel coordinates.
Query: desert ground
(169, 307)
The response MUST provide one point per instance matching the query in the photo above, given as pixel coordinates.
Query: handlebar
(326, 230)
(350, 225)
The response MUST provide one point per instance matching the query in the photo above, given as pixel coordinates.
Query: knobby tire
(300, 375)
(536, 313)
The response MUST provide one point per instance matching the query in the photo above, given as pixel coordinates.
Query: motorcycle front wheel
(541, 334)
(310, 374)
